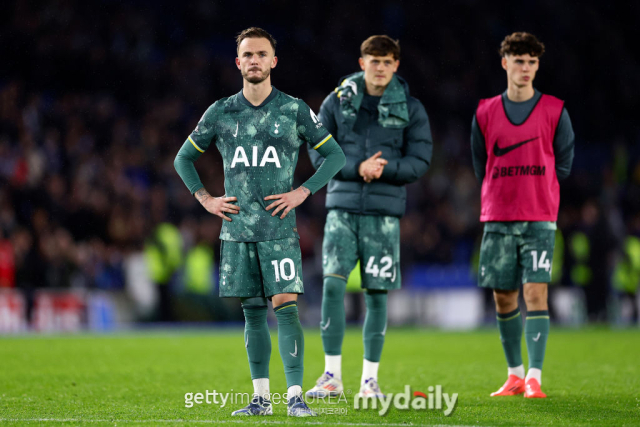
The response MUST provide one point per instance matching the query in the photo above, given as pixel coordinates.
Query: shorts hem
(500, 288)
(338, 276)
(381, 288)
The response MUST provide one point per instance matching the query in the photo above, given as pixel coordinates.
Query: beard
(256, 79)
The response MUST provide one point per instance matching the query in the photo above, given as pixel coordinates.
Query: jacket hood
(402, 81)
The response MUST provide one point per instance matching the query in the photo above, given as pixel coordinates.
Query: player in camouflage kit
(522, 143)
(386, 137)
(259, 132)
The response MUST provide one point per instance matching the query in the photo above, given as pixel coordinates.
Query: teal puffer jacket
(407, 146)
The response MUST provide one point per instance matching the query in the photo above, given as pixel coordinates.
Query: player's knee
(255, 302)
(505, 301)
(334, 288)
(375, 300)
(255, 311)
(280, 299)
(535, 294)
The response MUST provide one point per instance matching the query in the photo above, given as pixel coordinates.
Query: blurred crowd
(96, 98)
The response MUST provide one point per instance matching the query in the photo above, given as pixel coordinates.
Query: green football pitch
(591, 376)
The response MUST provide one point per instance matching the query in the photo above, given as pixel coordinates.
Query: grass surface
(591, 377)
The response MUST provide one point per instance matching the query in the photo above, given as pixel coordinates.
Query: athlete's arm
(312, 130)
(417, 149)
(478, 150)
(349, 172)
(333, 161)
(217, 205)
(193, 147)
(183, 163)
(288, 201)
(563, 146)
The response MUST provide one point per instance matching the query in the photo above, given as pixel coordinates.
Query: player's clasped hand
(287, 201)
(372, 168)
(220, 205)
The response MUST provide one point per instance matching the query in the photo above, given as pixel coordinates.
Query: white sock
(518, 371)
(535, 373)
(369, 370)
(293, 391)
(261, 387)
(333, 364)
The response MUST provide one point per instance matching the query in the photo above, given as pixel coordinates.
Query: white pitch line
(276, 422)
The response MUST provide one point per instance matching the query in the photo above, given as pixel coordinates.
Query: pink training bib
(520, 182)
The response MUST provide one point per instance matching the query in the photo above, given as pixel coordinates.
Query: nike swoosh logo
(497, 151)
(384, 331)
(537, 337)
(324, 328)
(246, 343)
(236, 132)
(295, 351)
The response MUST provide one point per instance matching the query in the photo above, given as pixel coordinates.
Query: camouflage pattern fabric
(260, 269)
(518, 227)
(375, 240)
(259, 148)
(521, 253)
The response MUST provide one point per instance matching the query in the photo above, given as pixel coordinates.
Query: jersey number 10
(281, 270)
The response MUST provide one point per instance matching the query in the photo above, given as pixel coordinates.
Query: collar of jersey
(272, 95)
(529, 104)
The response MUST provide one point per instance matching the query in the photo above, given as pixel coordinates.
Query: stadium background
(96, 97)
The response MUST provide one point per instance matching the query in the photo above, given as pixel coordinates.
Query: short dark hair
(380, 46)
(255, 32)
(520, 44)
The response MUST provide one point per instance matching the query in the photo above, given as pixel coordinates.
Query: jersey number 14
(542, 263)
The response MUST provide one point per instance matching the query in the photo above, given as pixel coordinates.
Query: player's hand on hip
(372, 168)
(217, 205)
(287, 201)
(221, 205)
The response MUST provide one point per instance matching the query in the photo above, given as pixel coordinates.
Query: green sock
(257, 339)
(333, 315)
(290, 342)
(510, 326)
(375, 324)
(536, 332)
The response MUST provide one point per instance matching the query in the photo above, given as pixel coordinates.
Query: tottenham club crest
(279, 127)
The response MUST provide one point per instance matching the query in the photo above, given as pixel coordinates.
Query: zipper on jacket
(366, 155)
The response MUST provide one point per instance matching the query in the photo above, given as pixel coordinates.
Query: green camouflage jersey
(259, 148)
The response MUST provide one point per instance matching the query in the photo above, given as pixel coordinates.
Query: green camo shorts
(375, 240)
(260, 269)
(509, 260)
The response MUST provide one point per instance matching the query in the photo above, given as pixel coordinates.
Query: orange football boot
(532, 389)
(512, 387)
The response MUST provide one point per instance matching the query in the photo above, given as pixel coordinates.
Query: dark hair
(255, 32)
(380, 46)
(521, 44)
